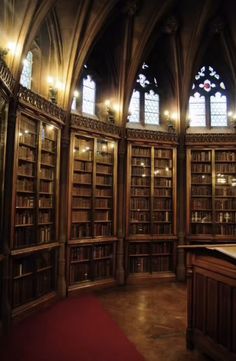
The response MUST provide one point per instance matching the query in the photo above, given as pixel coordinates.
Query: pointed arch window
(144, 102)
(89, 95)
(208, 100)
(26, 75)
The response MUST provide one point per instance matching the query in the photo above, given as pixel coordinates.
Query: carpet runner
(74, 329)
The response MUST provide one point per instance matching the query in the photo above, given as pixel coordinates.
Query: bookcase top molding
(210, 139)
(6, 77)
(41, 105)
(150, 135)
(96, 126)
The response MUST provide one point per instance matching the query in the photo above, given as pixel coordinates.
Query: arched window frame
(208, 85)
(26, 74)
(145, 99)
(88, 95)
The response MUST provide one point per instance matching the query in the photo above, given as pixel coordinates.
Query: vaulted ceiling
(114, 37)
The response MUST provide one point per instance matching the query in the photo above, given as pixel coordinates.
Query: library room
(117, 180)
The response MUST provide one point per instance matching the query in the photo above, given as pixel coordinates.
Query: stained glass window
(134, 107)
(26, 75)
(151, 108)
(218, 110)
(197, 110)
(144, 103)
(208, 102)
(89, 90)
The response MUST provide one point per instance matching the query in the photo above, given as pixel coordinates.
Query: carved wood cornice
(44, 106)
(151, 135)
(210, 139)
(6, 76)
(79, 122)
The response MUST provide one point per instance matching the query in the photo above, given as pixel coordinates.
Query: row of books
(26, 153)
(141, 151)
(140, 203)
(150, 248)
(201, 216)
(201, 179)
(229, 156)
(145, 264)
(142, 228)
(83, 166)
(82, 178)
(91, 252)
(201, 156)
(162, 182)
(47, 173)
(201, 203)
(27, 138)
(81, 230)
(201, 190)
(141, 162)
(48, 158)
(48, 145)
(163, 153)
(25, 217)
(104, 180)
(225, 168)
(104, 157)
(26, 168)
(200, 168)
(46, 187)
(225, 203)
(24, 201)
(163, 163)
(46, 201)
(25, 185)
(80, 272)
(45, 216)
(82, 202)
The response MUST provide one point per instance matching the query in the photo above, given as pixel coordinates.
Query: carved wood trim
(6, 76)
(96, 126)
(151, 135)
(198, 138)
(38, 103)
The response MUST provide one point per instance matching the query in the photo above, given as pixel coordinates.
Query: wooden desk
(211, 289)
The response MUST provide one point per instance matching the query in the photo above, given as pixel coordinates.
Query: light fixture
(170, 119)
(54, 86)
(111, 109)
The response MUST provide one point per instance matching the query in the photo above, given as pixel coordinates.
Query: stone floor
(153, 318)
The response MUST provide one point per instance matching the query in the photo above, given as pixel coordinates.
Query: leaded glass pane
(134, 107)
(218, 110)
(151, 109)
(89, 89)
(26, 75)
(197, 111)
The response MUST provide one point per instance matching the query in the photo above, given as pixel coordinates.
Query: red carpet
(75, 329)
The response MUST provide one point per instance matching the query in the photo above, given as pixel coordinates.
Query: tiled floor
(153, 318)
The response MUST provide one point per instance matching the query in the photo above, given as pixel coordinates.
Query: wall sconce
(111, 110)
(54, 86)
(170, 120)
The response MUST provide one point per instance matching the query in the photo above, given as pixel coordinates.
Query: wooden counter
(211, 287)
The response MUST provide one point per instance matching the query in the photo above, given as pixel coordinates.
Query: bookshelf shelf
(151, 195)
(33, 276)
(92, 209)
(211, 193)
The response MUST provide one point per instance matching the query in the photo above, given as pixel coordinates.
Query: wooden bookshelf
(151, 209)
(34, 221)
(36, 173)
(92, 206)
(33, 276)
(211, 194)
(91, 262)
